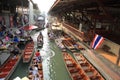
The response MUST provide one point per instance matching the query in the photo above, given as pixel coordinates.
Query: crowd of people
(35, 67)
(11, 39)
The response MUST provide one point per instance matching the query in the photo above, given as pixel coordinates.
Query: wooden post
(118, 59)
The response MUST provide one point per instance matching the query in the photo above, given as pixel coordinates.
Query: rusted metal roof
(11, 4)
(14, 2)
(104, 8)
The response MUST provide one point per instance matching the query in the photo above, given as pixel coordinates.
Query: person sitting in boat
(31, 77)
(2, 45)
(29, 38)
(35, 71)
(1, 42)
(9, 33)
(76, 46)
(34, 74)
(15, 39)
(11, 47)
(37, 77)
(39, 39)
(31, 68)
(16, 51)
(38, 57)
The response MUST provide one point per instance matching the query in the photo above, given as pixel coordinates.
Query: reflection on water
(53, 64)
(45, 53)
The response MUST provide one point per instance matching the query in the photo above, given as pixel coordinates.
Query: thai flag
(97, 41)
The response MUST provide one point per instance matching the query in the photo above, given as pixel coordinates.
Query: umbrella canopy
(30, 27)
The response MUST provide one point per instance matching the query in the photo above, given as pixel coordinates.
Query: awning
(30, 27)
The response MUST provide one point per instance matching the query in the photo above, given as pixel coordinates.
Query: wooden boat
(28, 52)
(51, 36)
(75, 71)
(92, 73)
(8, 67)
(39, 66)
(79, 46)
(40, 40)
(67, 44)
(59, 43)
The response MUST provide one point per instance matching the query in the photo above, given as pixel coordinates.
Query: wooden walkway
(102, 66)
(108, 56)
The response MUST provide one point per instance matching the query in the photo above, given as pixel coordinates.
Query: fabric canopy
(30, 27)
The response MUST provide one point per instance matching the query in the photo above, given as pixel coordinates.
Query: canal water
(53, 64)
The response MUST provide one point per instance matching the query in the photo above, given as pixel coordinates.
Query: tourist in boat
(31, 68)
(38, 57)
(35, 71)
(31, 77)
(37, 77)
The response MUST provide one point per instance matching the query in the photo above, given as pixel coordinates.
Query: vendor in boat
(1, 42)
(16, 39)
(29, 38)
(38, 56)
(11, 47)
(2, 45)
(40, 38)
(16, 50)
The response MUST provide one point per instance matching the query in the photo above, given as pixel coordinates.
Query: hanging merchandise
(2, 20)
(11, 21)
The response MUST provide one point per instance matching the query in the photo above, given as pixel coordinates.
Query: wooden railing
(76, 32)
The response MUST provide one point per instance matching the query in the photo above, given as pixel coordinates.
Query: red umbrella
(30, 27)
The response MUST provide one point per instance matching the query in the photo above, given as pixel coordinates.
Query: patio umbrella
(30, 27)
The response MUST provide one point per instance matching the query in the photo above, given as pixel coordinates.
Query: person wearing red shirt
(38, 57)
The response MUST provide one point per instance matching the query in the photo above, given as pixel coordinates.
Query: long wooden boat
(75, 71)
(28, 52)
(39, 66)
(67, 44)
(79, 46)
(59, 43)
(40, 40)
(51, 36)
(8, 67)
(92, 73)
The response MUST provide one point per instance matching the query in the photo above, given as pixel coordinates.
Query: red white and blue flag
(97, 41)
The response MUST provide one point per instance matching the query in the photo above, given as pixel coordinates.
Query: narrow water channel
(53, 64)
